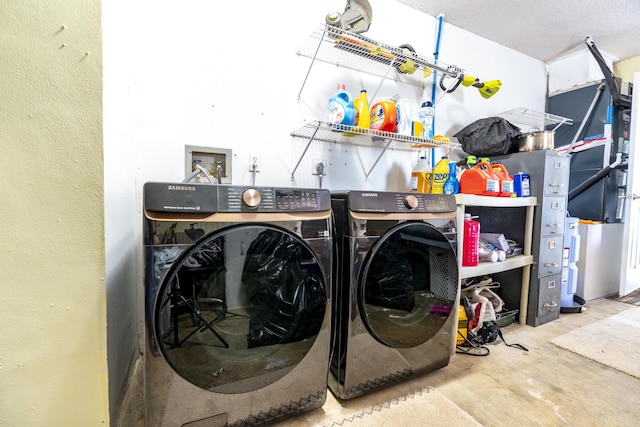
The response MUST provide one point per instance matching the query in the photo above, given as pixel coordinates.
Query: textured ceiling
(545, 29)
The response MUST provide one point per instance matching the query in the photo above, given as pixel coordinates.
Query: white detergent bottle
(426, 114)
(420, 176)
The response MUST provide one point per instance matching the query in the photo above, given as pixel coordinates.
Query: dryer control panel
(387, 202)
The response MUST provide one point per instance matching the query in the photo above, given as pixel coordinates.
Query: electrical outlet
(319, 167)
(254, 162)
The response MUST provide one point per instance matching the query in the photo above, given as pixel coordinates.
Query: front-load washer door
(241, 308)
(408, 284)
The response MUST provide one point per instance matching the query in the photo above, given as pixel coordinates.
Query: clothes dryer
(237, 303)
(395, 288)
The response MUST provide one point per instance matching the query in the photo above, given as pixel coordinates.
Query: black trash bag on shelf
(491, 136)
(390, 283)
(285, 289)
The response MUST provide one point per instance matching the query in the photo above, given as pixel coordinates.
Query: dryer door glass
(241, 308)
(407, 288)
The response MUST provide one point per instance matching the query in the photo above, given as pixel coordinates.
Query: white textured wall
(221, 75)
(53, 357)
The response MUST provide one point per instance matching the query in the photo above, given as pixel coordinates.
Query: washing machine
(395, 293)
(237, 303)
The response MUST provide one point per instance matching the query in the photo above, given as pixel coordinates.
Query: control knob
(411, 201)
(251, 198)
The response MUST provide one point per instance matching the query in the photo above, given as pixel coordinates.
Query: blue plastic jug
(341, 109)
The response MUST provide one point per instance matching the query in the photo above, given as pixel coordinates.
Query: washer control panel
(211, 198)
(270, 199)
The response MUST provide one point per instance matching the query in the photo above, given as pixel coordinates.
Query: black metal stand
(177, 298)
(201, 326)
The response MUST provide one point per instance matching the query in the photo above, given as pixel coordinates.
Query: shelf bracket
(311, 64)
(367, 173)
(311, 138)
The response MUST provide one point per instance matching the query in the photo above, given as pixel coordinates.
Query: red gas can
(506, 181)
(480, 180)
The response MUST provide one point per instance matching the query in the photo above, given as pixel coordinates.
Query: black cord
(520, 346)
(472, 346)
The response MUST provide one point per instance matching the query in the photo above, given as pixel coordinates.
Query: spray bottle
(451, 185)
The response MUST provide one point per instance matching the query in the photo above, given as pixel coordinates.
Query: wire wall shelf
(333, 45)
(352, 135)
(356, 52)
(536, 119)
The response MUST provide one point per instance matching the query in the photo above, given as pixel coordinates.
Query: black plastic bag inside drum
(287, 300)
(399, 269)
(491, 136)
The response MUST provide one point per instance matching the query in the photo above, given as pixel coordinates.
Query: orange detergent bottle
(480, 180)
(384, 116)
(506, 182)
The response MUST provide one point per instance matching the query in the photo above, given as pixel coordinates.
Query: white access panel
(600, 260)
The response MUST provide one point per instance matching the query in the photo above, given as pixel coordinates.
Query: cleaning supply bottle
(426, 113)
(384, 115)
(451, 185)
(341, 109)
(363, 113)
(470, 242)
(440, 175)
(419, 181)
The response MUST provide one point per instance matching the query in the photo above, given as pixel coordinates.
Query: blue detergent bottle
(341, 109)
(451, 185)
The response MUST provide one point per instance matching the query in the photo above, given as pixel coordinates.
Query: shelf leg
(524, 295)
(526, 272)
(304, 152)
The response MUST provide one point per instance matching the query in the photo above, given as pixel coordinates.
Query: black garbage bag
(284, 286)
(390, 281)
(491, 136)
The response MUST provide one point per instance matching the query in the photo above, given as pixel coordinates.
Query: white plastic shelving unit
(523, 261)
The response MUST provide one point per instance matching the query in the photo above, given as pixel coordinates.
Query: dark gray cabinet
(549, 182)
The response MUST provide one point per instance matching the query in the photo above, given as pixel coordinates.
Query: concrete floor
(547, 386)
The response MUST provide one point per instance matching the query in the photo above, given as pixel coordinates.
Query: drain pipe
(586, 117)
(219, 171)
(320, 170)
(597, 177)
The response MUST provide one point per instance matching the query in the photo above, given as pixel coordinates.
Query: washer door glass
(407, 288)
(240, 308)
